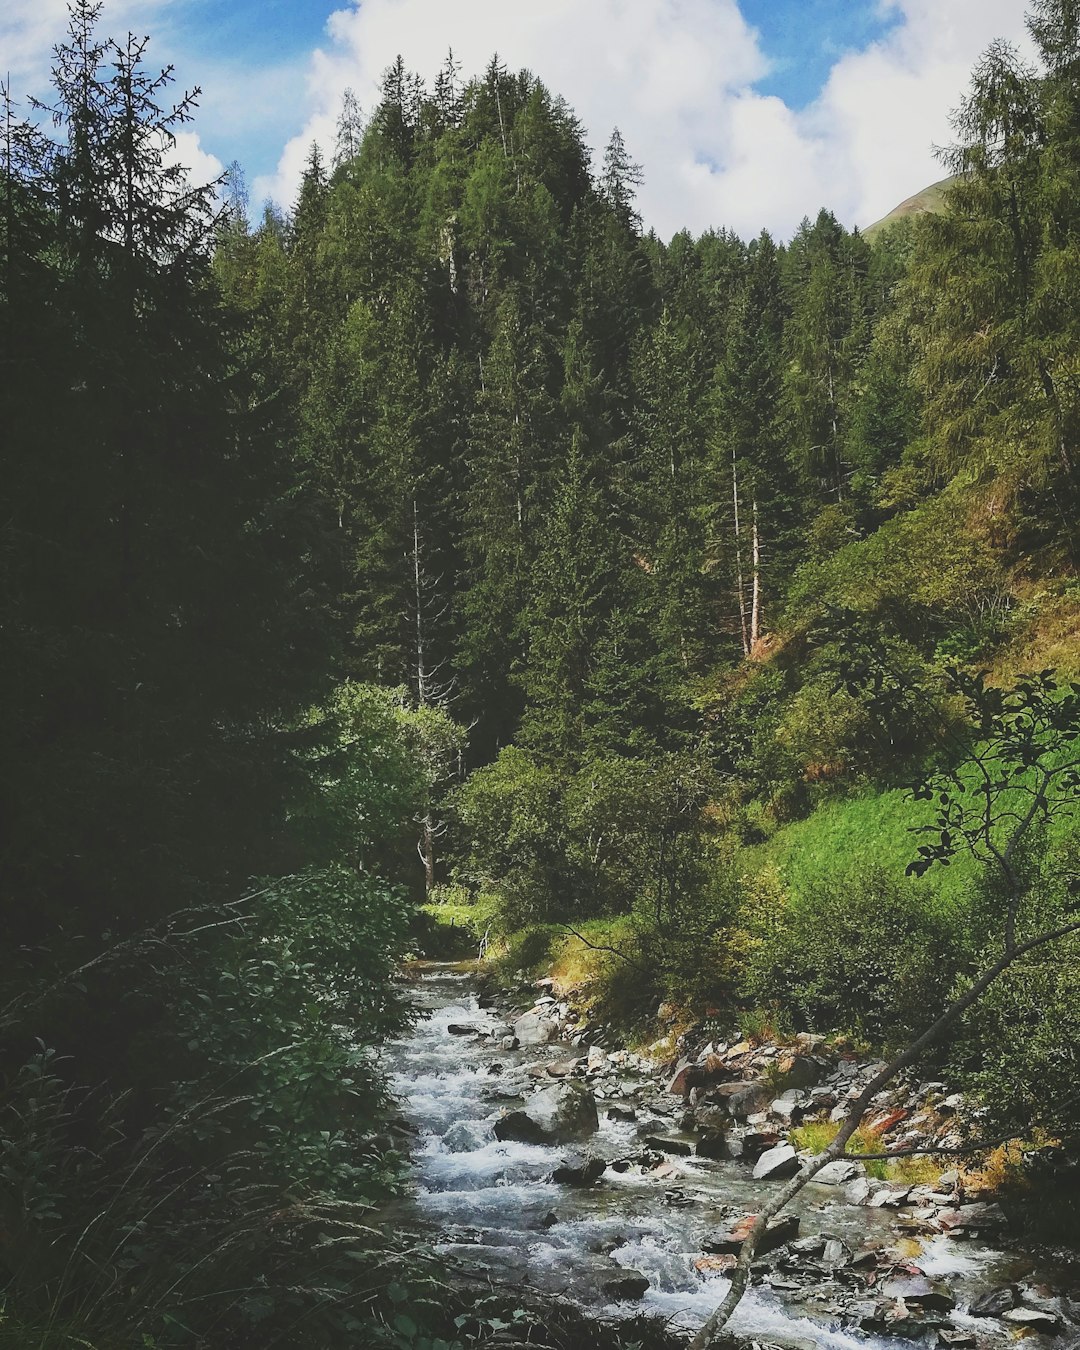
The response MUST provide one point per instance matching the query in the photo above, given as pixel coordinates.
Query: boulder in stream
(628, 1287)
(559, 1114)
(580, 1172)
(536, 1027)
(839, 1171)
(994, 1303)
(776, 1163)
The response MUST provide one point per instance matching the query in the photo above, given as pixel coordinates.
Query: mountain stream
(498, 1215)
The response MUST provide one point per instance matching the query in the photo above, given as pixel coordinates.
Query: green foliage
(617, 836)
(255, 1140)
(859, 951)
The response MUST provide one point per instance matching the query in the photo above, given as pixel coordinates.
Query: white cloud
(677, 77)
(202, 167)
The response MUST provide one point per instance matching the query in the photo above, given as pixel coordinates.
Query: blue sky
(744, 113)
(804, 38)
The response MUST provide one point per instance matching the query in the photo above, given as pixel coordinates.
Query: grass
(815, 1136)
(842, 835)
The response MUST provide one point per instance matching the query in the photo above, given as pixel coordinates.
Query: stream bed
(498, 1215)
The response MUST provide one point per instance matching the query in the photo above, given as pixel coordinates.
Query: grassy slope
(929, 199)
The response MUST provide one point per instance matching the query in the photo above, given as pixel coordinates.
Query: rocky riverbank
(554, 1158)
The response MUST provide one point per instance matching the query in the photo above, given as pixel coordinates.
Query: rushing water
(497, 1212)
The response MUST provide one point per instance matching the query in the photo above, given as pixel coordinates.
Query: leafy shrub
(228, 1202)
(860, 952)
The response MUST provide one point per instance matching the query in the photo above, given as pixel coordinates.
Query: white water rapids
(497, 1213)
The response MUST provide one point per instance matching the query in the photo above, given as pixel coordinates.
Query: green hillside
(930, 199)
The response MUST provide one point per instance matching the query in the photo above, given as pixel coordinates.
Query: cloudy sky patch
(744, 113)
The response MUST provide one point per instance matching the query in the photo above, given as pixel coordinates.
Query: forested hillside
(450, 512)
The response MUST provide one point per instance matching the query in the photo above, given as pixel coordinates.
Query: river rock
(622, 1113)
(839, 1171)
(535, 1027)
(741, 1098)
(1033, 1318)
(857, 1192)
(975, 1217)
(957, 1337)
(789, 1106)
(930, 1294)
(665, 1143)
(464, 1136)
(711, 1119)
(799, 1070)
(730, 1242)
(629, 1287)
(582, 1173)
(994, 1303)
(776, 1163)
(560, 1114)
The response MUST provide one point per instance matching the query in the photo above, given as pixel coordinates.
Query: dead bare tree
(1018, 770)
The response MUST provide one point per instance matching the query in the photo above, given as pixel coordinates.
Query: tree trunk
(740, 591)
(755, 608)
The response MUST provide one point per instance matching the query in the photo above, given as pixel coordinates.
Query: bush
(232, 1193)
(862, 952)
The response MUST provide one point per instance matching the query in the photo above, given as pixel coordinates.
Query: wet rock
(563, 1068)
(975, 1218)
(536, 1027)
(462, 1029)
(756, 1142)
(509, 1043)
(628, 1288)
(776, 1163)
(781, 1230)
(994, 1303)
(836, 1254)
(623, 1113)
(518, 1126)
(583, 1173)
(718, 1146)
(667, 1144)
(559, 1114)
(957, 1337)
(930, 1294)
(466, 1135)
(711, 1119)
(1034, 1319)
(720, 1264)
(838, 1172)
(809, 1246)
(857, 1192)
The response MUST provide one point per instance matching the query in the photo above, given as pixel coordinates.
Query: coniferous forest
(448, 564)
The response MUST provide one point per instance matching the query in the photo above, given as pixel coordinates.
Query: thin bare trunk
(418, 601)
(426, 847)
(740, 589)
(755, 608)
